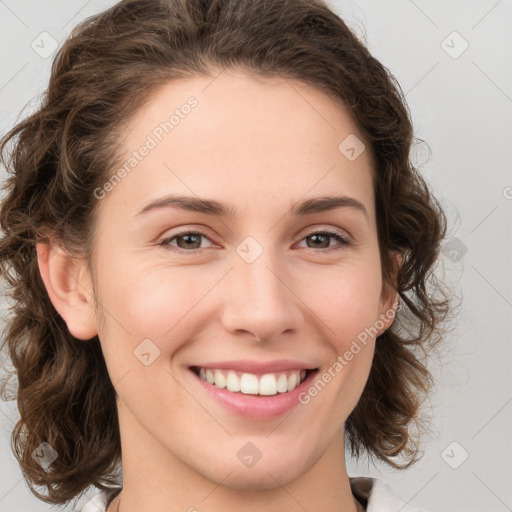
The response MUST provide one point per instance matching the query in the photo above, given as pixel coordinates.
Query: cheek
(145, 315)
(155, 302)
(347, 301)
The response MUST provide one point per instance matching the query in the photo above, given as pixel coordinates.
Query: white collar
(377, 495)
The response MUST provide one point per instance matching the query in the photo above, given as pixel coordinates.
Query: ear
(389, 297)
(69, 287)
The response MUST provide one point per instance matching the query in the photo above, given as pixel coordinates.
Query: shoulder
(378, 496)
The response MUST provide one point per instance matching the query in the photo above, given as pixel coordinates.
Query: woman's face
(172, 302)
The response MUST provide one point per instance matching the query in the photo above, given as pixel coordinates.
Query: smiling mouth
(252, 384)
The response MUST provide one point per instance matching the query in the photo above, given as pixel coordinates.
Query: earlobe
(388, 313)
(389, 299)
(68, 287)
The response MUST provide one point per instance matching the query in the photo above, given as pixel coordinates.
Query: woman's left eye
(190, 241)
(321, 236)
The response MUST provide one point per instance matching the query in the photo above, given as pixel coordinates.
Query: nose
(259, 301)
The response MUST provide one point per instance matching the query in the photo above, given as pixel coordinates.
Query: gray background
(461, 104)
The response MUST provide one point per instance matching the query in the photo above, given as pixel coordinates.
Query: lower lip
(256, 406)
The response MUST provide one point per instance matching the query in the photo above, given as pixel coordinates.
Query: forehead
(244, 140)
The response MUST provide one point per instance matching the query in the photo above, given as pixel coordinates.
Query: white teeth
(209, 377)
(282, 383)
(268, 384)
(233, 382)
(292, 380)
(250, 384)
(220, 380)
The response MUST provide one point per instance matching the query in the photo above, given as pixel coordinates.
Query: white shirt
(372, 492)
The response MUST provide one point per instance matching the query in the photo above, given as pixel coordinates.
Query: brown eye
(188, 241)
(321, 240)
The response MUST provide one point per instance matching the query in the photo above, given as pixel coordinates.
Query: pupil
(187, 239)
(316, 237)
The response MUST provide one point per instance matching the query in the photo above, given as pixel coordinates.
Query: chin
(267, 474)
(256, 480)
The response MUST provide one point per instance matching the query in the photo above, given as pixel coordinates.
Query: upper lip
(257, 367)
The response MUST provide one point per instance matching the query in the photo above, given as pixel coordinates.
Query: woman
(207, 227)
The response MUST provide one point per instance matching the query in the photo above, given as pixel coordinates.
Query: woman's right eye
(190, 240)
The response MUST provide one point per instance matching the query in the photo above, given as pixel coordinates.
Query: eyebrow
(215, 208)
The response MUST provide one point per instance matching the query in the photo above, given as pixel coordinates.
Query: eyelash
(344, 241)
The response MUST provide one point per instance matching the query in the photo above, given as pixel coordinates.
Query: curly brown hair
(102, 75)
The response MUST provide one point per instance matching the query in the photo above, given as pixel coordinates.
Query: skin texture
(258, 145)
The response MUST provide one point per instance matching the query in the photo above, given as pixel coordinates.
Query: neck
(155, 479)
